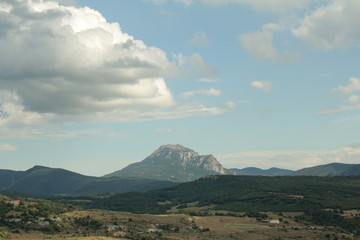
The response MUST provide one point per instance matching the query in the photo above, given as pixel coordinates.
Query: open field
(39, 236)
(221, 207)
(183, 226)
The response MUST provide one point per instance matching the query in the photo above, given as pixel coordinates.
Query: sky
(92, 86)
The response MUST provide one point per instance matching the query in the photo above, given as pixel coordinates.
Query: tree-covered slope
(245, 193)
(252, 171)
(52, 181)
(332, 169)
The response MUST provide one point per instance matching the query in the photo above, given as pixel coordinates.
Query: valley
(214, 207)
(104, 225)
(175, 193)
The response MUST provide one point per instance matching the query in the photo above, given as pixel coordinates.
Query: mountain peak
(174, 153)
(175, 163)
(37, 168)
(176, 147)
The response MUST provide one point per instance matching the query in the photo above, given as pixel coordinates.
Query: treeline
(244, 194)
(331, 218)
(30, 214)
(310, 195)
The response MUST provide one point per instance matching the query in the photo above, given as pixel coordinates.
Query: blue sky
(92, 86)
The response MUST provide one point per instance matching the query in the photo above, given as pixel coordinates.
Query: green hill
(252, 171)
(8, 177)
(245, 194)
(52, 181)
(332, 169)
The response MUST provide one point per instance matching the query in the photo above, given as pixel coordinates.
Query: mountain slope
(52, 181)
(8, 177)
(332, 169)
(354, 170)
(244, 194)
(43, 180)
(252, 171)
(174, 163)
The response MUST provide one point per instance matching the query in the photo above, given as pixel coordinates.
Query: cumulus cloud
(261, 45)
(332, 26)
(8, 148)
(289, 159)
(18, 123)
(61, 64)
(68, 60)
(207, 92)
(265, 85)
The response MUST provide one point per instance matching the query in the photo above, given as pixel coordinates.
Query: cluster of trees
(36, 214)
(243, 194)
(329, 218)
(250, 194)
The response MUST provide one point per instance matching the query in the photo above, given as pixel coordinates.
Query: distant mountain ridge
(180, 164)
(252, 171)
(332, 169)
(41, 180)
(174, 163)
(166, 165)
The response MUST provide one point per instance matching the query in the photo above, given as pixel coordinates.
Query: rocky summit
(174, 163)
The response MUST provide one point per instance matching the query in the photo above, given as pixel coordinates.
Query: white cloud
(207, 92)
(353, 86)
(68, 60)
(290, 159)
(354, 99)
(199, 38)
(340, 109)
(184, 111)
(332, 26)
(194, 65)
(272, 27)
(18, 123)
(208, 80)
(8, 148)
(265, 85)
(62, 65)
(261, 45)
(231, 104)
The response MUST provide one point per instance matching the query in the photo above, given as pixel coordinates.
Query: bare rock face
(187, 158)
(174, 163)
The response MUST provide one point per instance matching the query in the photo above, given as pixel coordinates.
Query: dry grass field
(184, 226)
